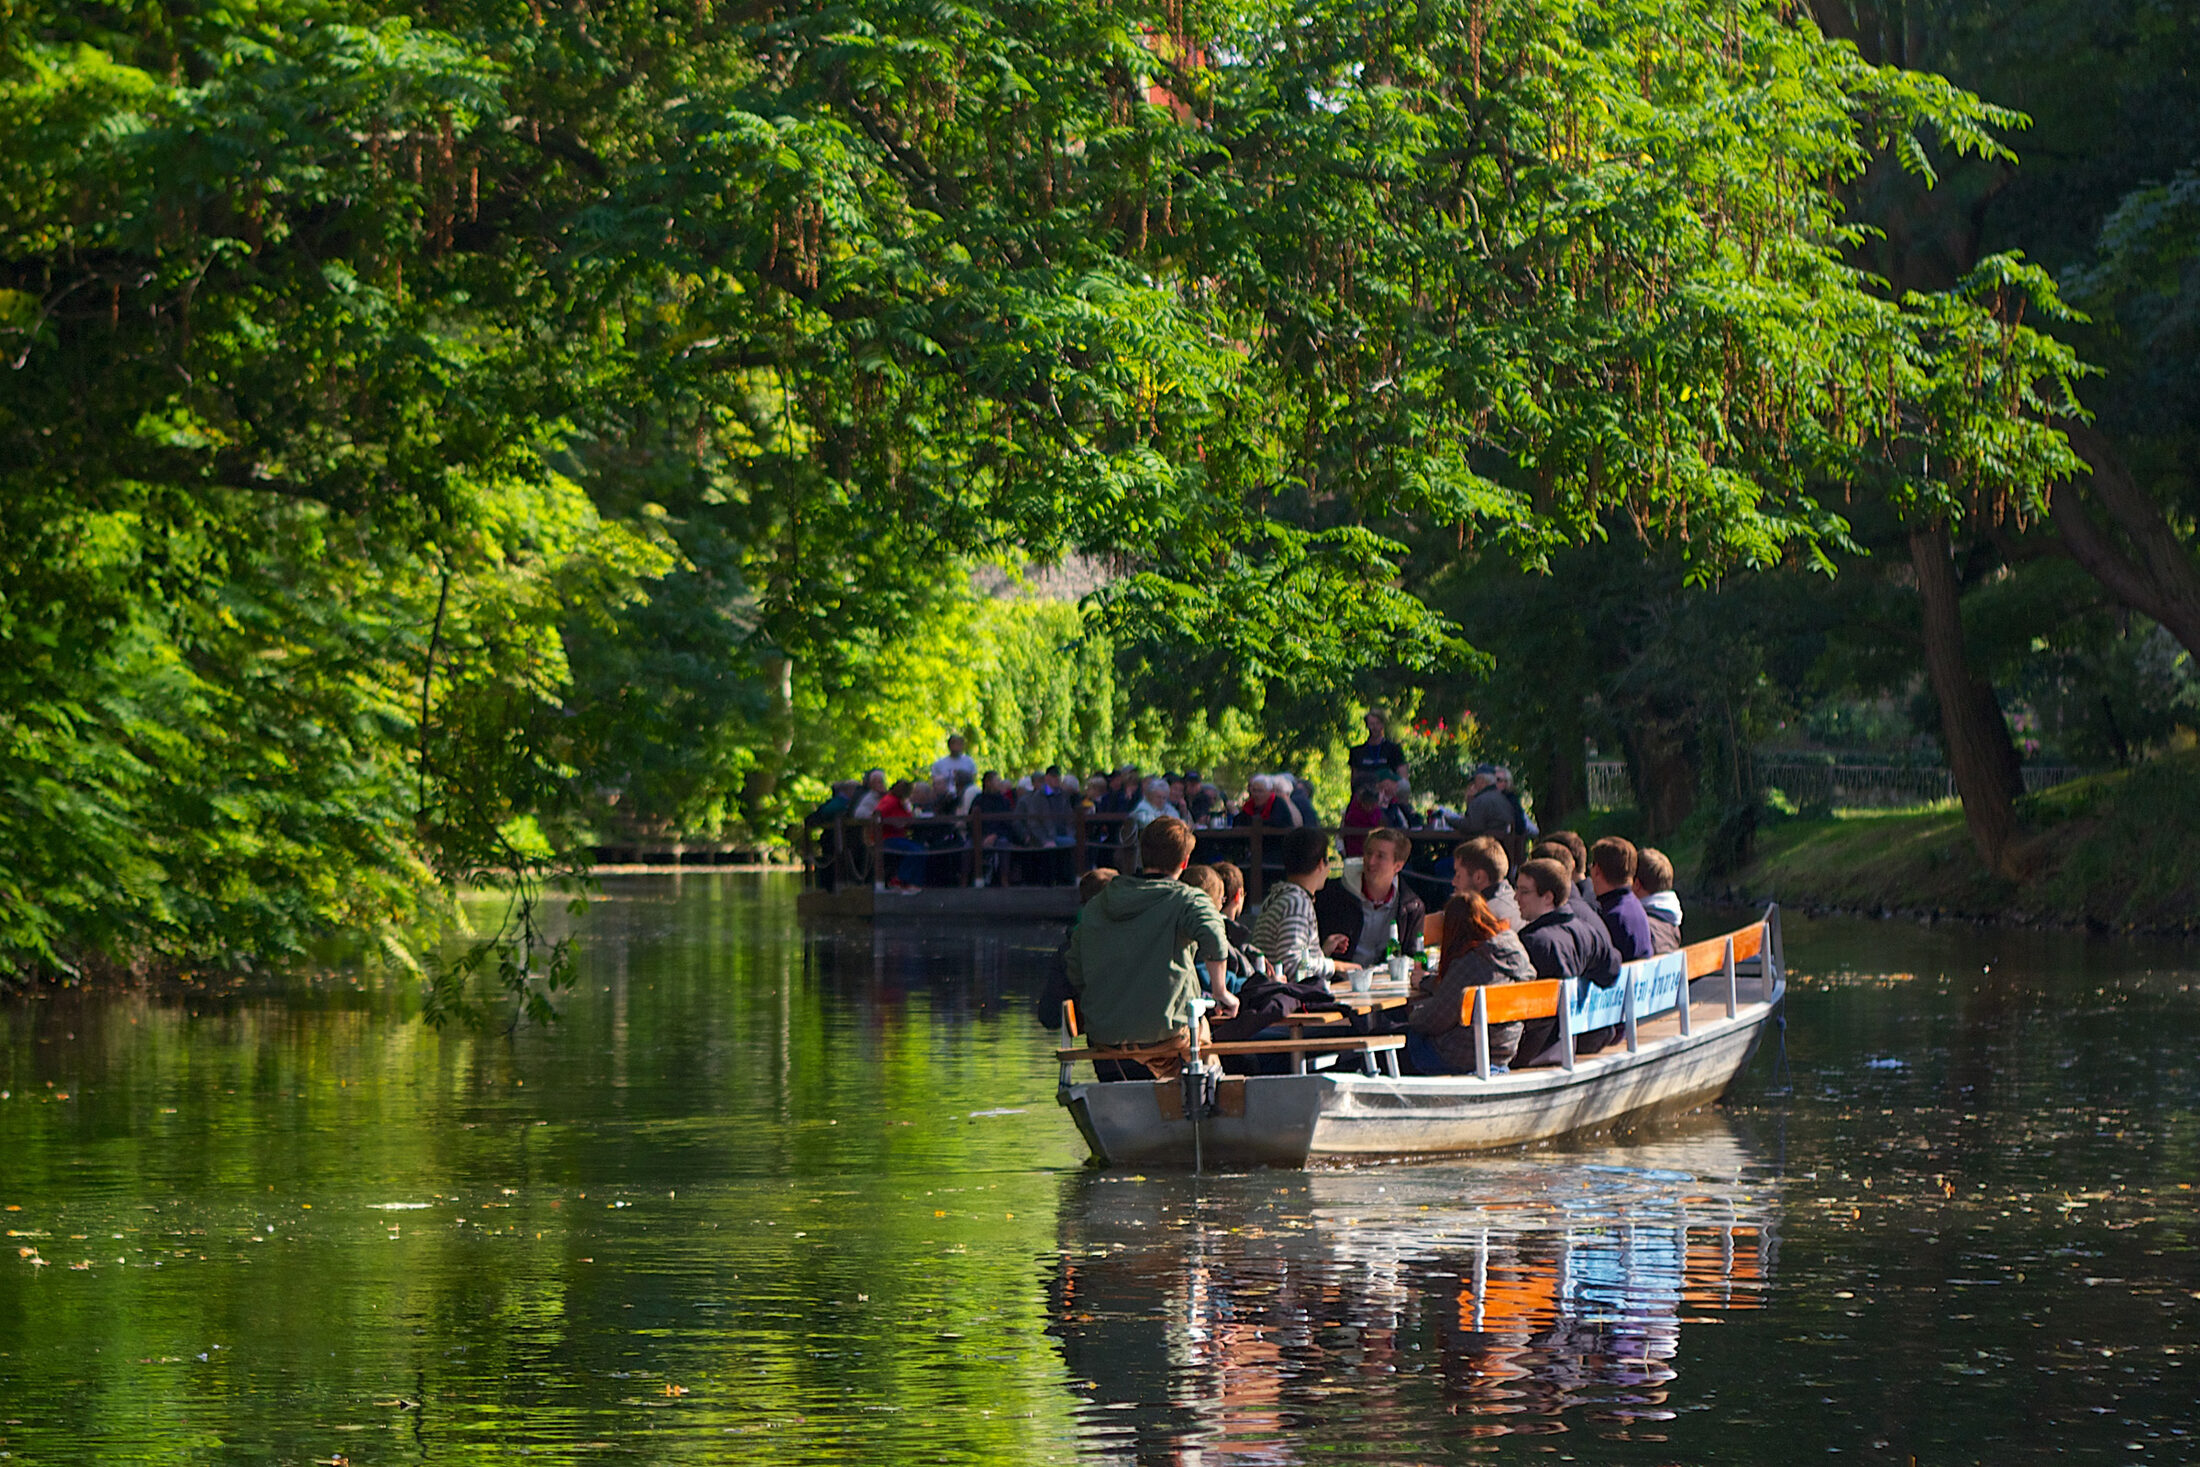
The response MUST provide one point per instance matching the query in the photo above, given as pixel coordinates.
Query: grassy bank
(2117, 851)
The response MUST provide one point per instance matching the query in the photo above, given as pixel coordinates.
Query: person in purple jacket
(1612, 878)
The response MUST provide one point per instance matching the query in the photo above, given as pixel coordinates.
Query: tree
(2106, 89)
(819, 306)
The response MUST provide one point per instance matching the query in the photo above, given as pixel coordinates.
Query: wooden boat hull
(1294, 1120)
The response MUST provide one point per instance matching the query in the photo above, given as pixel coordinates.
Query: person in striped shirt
(1288, 930)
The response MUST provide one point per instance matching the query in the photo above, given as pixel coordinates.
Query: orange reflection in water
(1378, 1315)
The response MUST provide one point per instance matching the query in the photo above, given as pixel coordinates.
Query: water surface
(784, 1193)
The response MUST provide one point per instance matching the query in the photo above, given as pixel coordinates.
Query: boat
(1691, 1022)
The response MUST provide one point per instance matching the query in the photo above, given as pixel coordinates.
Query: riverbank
(2111, 852)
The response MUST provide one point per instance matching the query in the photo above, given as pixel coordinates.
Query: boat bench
(1386, 1045)
(1644, 990)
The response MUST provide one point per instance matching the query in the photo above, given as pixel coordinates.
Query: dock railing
(979, 850)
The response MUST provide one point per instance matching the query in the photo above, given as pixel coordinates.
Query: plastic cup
(1362, 979)
(1401, 968)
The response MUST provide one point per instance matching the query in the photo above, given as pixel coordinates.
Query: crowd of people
(1149, 939)
(1029, 823)
(1155, 930)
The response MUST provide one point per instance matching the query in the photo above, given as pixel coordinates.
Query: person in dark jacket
(1479, 868)
(1612, 878)
(1578, 852)
(1477, 950)
(1378, 758)
(1056, 992)
(1578, 894)
(1561, 943)
(1363, 906)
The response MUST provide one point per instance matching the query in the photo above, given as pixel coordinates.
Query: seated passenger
(1488, 812)
(1661, 905)
(1365, 907)
(1153, 803)
(1041, 835)
(1240, 965)
(1233, 914)
(1364, 813)
(1477, 950)
(1200, 798)
(1478, 869)
(1561, 943)
(1055, 993)
(1578, 853)
(1395, 800)
(1264, 806)
(874, 790)
(1131, 961)
(1578, 895)
(1288, 930)
(1612, 877)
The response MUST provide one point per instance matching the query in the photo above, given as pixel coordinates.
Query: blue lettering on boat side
(1658, 983)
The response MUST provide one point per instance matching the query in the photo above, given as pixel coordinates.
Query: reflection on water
(1284, 1319)
(776, 1193)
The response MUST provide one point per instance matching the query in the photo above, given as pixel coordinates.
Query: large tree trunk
(1660, 768)
(1973, 734)
(2150, 570)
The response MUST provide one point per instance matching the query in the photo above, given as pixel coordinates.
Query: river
(777, 1193)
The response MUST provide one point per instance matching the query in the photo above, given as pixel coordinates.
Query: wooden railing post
(878, 854)
(1257, 878)
(1082, 861)
(974, 868)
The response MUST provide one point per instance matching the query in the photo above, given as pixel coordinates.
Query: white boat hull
(1294, 1120)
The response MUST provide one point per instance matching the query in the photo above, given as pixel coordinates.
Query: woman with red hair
(1478, 949)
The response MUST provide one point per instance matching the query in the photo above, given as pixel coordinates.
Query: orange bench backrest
(1510, 1002)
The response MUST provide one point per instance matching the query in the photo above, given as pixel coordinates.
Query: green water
(783, 1194)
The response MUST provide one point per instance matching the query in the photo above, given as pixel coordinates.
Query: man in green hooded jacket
(1132, 958)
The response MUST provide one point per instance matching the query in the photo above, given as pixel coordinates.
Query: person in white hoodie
(1660, 903)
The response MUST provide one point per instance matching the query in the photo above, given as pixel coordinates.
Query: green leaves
(475, 364)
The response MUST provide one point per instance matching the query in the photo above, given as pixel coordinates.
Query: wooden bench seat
(1384, 1044)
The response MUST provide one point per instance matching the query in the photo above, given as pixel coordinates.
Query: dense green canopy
(428, 423)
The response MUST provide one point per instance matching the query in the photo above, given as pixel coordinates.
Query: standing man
(1131, 960)
(954, 770)
(1379, 757)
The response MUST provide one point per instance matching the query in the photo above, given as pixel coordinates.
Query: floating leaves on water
(395, 1206)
